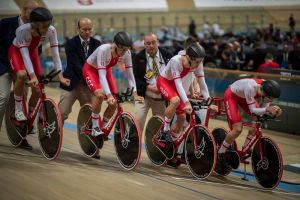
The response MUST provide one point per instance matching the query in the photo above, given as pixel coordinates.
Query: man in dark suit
(77, 50)
(283, 57)
(147, 65)
(8, 28)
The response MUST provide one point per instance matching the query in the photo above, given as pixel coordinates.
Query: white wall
(245, 3)
(62, 6)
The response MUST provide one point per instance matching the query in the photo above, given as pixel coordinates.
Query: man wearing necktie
(283, 57)
(147, 65)
(85, 45)
(77, 50)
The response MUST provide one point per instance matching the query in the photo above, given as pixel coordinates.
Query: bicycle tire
(128, 149)
(268, 171)
(15, 133)
(50, 129)
(201, 162)
(219, 135)
(154, 125)
(88, 147)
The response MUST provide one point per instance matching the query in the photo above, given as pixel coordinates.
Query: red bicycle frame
(256, 125)
(112, 122)
(42, 97)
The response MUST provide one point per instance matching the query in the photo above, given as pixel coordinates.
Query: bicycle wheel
(16, 131)
(154, 125)
(50, 130)
(268, 170)
(200, 152)
(128, 148)
(219, 135)
(89, 148)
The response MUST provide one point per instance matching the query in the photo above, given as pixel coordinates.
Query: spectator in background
(206, 28)
(138, 45)
(147, 65)
(97, 36)
(227, 61)
(255, 58)
(294, 58)
(283, 57)
(229, 58)
(268, 65)
(77, 50)
(236, 53)
(192, 29)
(292, 22)
(175, 48)
(8, 28)
(216, 30)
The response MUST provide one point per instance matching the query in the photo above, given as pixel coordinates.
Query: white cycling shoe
(96, 132)
(19, 115)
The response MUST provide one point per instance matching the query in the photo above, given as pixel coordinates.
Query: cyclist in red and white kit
(170, 85)
(97, 72)
(24, 58)
(243, 93)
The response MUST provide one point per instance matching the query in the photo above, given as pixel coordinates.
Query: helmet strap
(116, 50)
(38, 31)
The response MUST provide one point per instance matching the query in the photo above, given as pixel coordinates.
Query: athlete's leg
(179, 123)
(35, 59)
(110, 110)
(19, 69)
(91, 77)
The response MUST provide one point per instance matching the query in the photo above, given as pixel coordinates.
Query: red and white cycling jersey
(175, 71)
(102, 60)
(243, 93)
(247, 89)
(27, 46)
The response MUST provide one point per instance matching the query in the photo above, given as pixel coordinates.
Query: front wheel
(267, 163)
(50, 130)
(200, 152)
(154, 126)
(128, 147)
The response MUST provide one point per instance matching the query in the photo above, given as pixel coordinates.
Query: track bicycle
(266, 157)
(200, 147)
(127, 136)
(49, 121)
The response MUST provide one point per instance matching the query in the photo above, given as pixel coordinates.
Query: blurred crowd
(236, 51)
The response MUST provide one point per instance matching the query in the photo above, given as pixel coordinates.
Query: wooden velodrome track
(28, 175)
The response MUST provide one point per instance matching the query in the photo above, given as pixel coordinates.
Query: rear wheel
(219, 135)
(16, 131)
(200, 152)
(154, 126)
(267, 165)
(89, 148)
(128, 147)
(50, 129)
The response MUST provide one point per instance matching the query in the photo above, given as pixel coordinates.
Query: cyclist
(24, 58)
(170, 85)
(244, 93)
(97, 72)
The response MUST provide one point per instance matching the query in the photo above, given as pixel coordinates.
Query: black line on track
(177, 185)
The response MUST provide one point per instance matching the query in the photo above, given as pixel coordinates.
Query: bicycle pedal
(168, 152)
